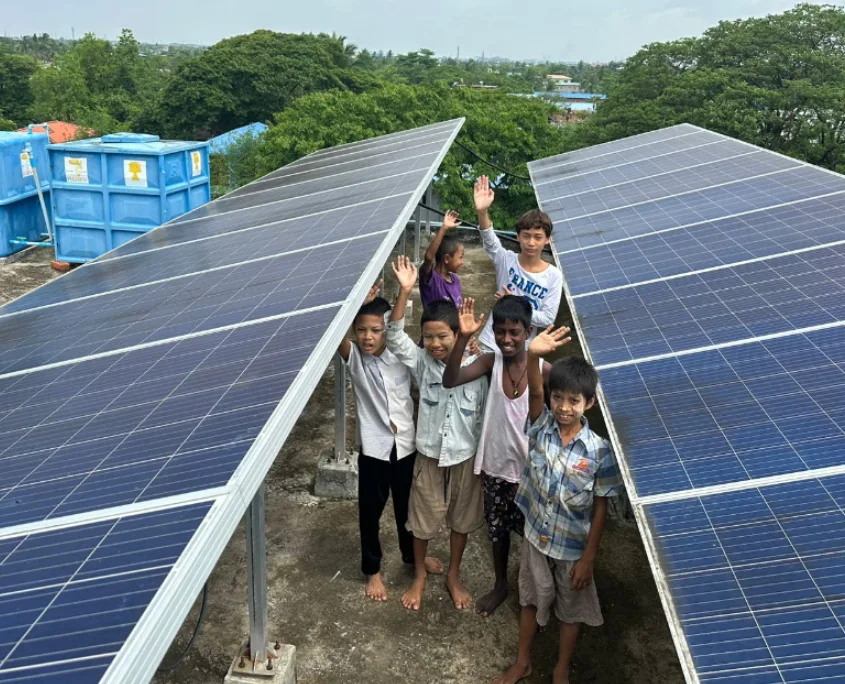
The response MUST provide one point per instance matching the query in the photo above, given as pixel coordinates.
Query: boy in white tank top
(503, 446)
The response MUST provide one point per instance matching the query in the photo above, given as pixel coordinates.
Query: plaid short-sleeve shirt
(558, 485)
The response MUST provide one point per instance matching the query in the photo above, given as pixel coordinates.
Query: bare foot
(560, 675)
(516, 673)
(488, 603)
(413, 597)
(460, 596)
(375, 588)
(433, 566)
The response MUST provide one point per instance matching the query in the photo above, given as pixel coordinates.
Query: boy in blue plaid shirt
(563, 494)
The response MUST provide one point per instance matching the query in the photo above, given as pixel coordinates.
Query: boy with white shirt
(386, 433)
(524, 274)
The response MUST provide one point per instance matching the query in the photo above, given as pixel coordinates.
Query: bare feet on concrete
(413, 597)
(433, 566)
(516, 673)
(375, 588)
(488, 603)
(460, 596)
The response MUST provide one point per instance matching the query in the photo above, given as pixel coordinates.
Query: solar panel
(705, 279)
(756, 578)
(144, 396)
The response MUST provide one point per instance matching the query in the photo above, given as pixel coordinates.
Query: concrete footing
(337, 479)
(283, 672)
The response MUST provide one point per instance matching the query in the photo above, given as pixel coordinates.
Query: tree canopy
(777, 81)
(504, 129)
(250, 78)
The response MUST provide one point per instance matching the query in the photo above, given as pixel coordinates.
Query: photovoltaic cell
(714, 315)
(374, 177)
(789, 292)
(133, 388)
(147, 424)
(727, 415)
(668, 184)
(756, 578)
(619, 148)
(695, 207)
(728, 241)
(181, 259)
(691, 152)
(70, 598)
(186, 306)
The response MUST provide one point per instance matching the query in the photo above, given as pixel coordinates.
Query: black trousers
(376, 480)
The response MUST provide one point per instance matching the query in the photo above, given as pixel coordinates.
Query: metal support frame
(339, 410)
(417, 231)
(256, 562)
(257, 657)
(428, 199)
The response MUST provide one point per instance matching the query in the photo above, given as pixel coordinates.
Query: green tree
(98, 85)
(15, 91)
(249, 78)
(505, 129)
(777, 81)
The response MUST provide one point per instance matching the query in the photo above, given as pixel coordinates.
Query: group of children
(500, 435)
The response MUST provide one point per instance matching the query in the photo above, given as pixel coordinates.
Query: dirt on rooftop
(316, 593)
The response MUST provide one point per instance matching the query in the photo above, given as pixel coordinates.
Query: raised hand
(469, 324)
(406, 272)
(483, 194)
(504, 292)
(473, 348)
(549, 340)
(373, 293)
(451, 220)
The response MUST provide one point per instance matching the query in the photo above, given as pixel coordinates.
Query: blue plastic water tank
(109, 190)
(20, 212)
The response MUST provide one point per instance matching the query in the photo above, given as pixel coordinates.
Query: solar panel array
(144, 396)
(706, 278)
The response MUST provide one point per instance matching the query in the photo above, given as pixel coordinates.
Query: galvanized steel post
(417, 229)
(257, 580)
(339, 409)
(429, 197)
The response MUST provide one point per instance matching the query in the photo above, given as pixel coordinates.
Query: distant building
(60, 131)
(583, 104)
(563, 83)
(481, 85)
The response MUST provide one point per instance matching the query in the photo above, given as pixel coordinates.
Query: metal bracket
(257, 655)
(261, 667)
(340, 452)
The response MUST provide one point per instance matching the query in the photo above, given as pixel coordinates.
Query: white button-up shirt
(383, 403)
(449, 420)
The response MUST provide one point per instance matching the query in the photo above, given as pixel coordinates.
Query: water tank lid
(129, 138)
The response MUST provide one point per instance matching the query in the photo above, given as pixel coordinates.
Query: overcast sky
(593, 30)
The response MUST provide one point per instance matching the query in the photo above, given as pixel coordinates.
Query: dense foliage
(503, 128)
(777, 81)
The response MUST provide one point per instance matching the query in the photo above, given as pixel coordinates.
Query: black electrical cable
(489, 163)
(472, 225)
(443, 213)
(170, 668)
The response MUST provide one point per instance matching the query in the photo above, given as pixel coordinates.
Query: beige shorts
(452, 495)
(544, 582)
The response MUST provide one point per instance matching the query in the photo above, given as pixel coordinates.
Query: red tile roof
(60, 131)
